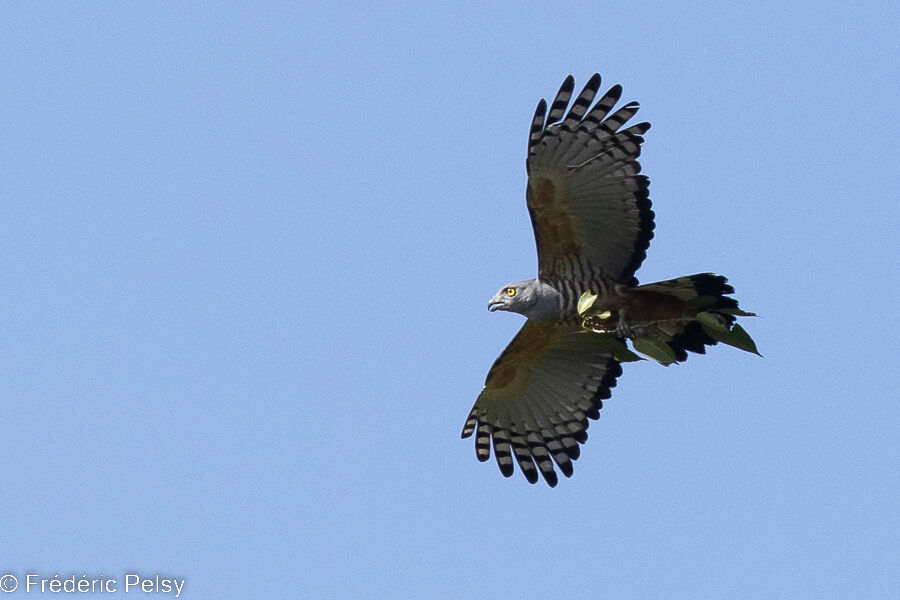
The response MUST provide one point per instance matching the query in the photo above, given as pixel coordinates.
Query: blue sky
(246, 257)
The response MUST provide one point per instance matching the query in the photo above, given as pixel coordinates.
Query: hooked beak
(494, 304)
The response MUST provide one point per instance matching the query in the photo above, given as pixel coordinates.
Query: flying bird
(590, 211)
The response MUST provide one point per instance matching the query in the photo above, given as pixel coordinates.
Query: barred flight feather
(558, 107)
(567, 133)
(602, 107)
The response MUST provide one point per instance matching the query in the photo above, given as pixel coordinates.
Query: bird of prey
(590, 211)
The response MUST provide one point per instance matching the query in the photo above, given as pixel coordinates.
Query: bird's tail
(666, 319)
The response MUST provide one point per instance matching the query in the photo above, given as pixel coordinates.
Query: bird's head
(515, 297)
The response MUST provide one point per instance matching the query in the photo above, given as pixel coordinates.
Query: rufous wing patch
(514, 365)
(555, 229)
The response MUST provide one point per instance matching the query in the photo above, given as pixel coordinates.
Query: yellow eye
(510, 291)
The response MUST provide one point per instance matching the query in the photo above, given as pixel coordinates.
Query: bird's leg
(623, 329)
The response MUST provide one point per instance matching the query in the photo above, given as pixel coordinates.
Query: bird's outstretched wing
(538, 397)
(589, 205)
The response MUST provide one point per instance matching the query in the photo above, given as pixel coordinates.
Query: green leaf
(711, 320)
(672, 327)
(586, 301)
(658, 351)
(741, 339)
(617, 347)
(736, 337)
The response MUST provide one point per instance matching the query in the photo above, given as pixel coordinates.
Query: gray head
(518, 297)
